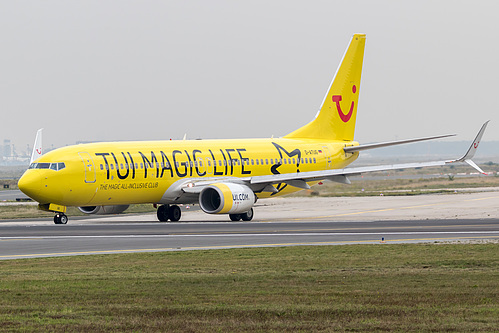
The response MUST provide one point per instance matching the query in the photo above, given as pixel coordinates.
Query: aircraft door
(88, 164)
(209, 166)
(327, 155)
(201, 165)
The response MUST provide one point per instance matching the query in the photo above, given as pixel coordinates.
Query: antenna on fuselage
(37, 147)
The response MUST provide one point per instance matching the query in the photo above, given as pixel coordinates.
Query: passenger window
(252, 162)
(121, 166)
(266, 161)
(257, 162)
(101, 167)
(315, 160)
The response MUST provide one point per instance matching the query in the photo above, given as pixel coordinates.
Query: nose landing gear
(60, 218)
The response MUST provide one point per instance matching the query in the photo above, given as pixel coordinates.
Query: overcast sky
(150, 70)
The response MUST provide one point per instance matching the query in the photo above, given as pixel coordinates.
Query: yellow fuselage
(116, 173)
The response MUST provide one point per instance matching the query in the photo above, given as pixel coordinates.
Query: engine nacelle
(103, 210)
(226, 198)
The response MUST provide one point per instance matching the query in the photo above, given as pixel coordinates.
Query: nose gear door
(88, 164)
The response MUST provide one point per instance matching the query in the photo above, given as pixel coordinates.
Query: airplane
(222, 176)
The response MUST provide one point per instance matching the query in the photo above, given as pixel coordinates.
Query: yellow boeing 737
(222, 176)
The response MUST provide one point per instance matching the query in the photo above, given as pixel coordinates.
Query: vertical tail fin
(337, 115)
(37, 147)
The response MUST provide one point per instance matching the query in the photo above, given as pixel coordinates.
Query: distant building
(7, 148)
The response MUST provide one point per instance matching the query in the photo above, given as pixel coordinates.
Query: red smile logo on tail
(337, 100)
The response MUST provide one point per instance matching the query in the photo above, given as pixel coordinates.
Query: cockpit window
(51, 166)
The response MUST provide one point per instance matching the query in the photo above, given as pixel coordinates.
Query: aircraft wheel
(235, 217)
(60, 219)
(174, 213)
(248, 216)
(162, 213)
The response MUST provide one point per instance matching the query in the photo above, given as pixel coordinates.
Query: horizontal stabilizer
(353, 149)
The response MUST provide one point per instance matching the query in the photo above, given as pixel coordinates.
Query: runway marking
(368, 211)
(487, 198)
(373, 241)
(254, 235)
(340, 229)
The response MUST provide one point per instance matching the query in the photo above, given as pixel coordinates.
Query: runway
(278, 222)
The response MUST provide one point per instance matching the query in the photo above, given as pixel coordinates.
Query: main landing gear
(244, 216)
(60, 218)
(167, 212)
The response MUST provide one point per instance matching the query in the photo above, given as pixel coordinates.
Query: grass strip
(409, 287)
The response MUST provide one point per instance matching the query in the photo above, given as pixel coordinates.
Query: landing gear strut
(167, 212)
(60, 218)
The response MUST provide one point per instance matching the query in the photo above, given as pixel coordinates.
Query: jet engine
(103, 210)
(226, 198)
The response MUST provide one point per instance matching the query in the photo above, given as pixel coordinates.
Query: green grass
(424, 287)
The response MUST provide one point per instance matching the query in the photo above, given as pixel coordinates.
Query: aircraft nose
(30, 184)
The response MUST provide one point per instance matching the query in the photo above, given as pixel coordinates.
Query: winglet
(474, 145)
(37, 148)
(473, 148)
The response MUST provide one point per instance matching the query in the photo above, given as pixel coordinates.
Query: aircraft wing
(341, 175)
(300, 179)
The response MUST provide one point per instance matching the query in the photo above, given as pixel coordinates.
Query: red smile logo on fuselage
(337, 100)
